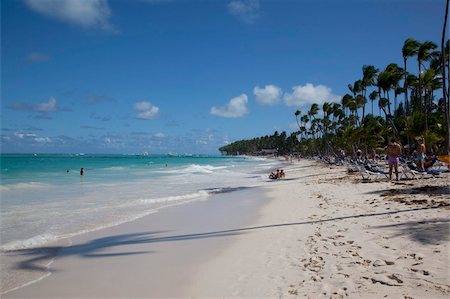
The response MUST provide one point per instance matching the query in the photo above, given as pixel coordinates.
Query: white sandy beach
(318, 233)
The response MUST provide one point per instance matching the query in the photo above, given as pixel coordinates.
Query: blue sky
(181, 76)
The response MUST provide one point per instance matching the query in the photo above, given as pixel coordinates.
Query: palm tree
(409, 49)
(446, 96)
(423, 54)
(369, 75)
(346, 99)
(373, 96)
(314, 110)
(304, 119)
(396, 76)
(430, 83)
(297, 113)
(360, 103)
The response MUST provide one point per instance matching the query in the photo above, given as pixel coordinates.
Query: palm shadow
(431, 231)
(93, 248)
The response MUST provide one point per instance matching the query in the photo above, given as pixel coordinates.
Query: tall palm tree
(369, 74)
(409, 50)
(444, 59)
(396, 76)
(313, 110)
(345, 102)
(431, 82)
(373, 96)
(424, 53)
(297, 113)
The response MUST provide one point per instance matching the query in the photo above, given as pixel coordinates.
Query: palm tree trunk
(389, 104)
(444, 89)
(425, 100)
(405, 87)
(420, 83)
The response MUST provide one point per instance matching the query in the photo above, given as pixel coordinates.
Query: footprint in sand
(389, 280)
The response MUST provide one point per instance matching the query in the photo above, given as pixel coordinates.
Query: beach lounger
(368, 174)
(415, 173)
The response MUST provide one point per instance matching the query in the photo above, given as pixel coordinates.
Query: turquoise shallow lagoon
(44, 198)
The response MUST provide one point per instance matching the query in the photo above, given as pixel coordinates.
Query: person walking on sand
(393, 151)
(421, 153)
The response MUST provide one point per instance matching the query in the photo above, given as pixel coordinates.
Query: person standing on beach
(421, 153)
(393, 151)
(82, 171)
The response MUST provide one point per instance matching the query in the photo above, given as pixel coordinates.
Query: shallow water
(44, 198)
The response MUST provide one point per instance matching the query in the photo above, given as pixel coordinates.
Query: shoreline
(320, 233)
(178, 236)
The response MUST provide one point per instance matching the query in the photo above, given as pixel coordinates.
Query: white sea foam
(28, 243)
(23, 186)
(187, 197)
(195, 168)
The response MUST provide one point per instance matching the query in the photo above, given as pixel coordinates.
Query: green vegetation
(355, 122)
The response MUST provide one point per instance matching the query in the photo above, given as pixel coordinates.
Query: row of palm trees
(423, 112)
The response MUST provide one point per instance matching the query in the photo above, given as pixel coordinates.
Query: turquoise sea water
(44, 198)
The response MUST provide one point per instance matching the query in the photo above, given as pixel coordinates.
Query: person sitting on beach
(393, 150)
(273, 175)
(282, 174)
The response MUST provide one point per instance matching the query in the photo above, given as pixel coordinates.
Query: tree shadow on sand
(93, 248)
(427, 189)
(427, 232)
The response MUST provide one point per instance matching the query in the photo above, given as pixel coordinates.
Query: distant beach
(319, 233)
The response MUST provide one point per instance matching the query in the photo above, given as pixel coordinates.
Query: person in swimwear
(421, 153)
(393, 150)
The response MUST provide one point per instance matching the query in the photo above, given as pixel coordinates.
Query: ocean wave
(33, 242)
(202, 194)
(194, 169)
(22, 186)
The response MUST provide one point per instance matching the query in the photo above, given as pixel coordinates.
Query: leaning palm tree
(409, 50)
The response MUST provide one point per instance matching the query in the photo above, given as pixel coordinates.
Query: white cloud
(30, 137)
(309, 94)
(268, 95)
(49, 106)
(237, 107)
(37, 57)
(83, 13)
(160, 135)
(246, 10)
(146, 110)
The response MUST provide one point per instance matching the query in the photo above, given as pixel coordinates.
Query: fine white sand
(326, 234)
(318, 233)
